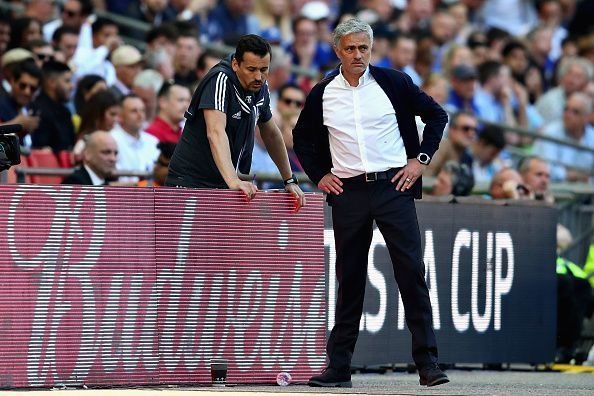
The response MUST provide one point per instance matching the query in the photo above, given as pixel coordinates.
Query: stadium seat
(43, 158)
(65, 158)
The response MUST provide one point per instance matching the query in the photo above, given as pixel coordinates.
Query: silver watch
(424, 158)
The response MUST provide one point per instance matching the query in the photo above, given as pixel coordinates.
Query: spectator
(153, 12)
(10, 61)
(65, 40)
(402, 55)
(457, 54)
(44, 10)
(478, 44)
(187, 51)
(454, 178)
(536, 174)
(163, 37)
(416, 16)
(516, 56)
(86, 87)
(275, 14)
(550, 14)
(24, 29)
(161, 168)
(508, 184)
(94, 60)
(137, 150)
(15, 106)
(160, 61)
(55, 126)
(516, 17)
(443, 28)
(279, 73)
(456, 146)
(462, 91)
(146, 85)
(99, 161)
(574, 75)
(436, 86)
(574, 127)
(485, 153)
(127, 61)
(43, 51)
(76, 16)
(205, 62)
(540, 44)
(4, 34)
(463, 27)
(173, 101)
(231, 19)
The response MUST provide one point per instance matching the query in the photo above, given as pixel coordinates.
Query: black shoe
(332, 378)
(432, 375)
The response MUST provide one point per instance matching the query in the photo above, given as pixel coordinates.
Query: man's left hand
(408, 175)
(295, 190)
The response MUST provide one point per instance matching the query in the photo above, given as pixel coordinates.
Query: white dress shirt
(135, 154)
(364, 134)
(96, 180)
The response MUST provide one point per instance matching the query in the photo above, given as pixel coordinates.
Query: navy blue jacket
(310, 135)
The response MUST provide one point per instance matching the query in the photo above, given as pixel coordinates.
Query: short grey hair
(584, 99)
(584, 63)
(149, 78)
(351, 26)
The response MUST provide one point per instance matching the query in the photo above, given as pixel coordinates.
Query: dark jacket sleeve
(310, 138)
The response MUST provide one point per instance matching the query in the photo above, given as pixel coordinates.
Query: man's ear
(234, 64)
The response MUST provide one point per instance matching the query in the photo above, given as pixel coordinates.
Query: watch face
(423, 158)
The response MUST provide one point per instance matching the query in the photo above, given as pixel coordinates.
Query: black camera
(10, 149)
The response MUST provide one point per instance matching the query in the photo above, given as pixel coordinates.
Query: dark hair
(166, 88)
(288, 86)
(100, 23)
(62, 30)
(83, 86)
(167, 30)
(95, 109)
(201, 62)
(254, 44)
(27, 66)
(462, 177)
(86, 7)
(186, 28)
(493, 136)
(36, 43)
(18, 28)
(512, 45)
(52, 69)
(167, 149)
(495, 34)
(488, 69)
(458, 114)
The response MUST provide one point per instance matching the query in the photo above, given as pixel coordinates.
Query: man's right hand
(330, 184)
(248, 188)
(29, 122)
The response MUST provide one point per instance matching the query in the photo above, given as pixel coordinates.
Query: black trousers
(394, 212)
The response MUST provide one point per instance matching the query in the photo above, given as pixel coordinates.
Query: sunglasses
(70, 13)
(44, 57)
(289, 101)
(23, 86)
(466, 128)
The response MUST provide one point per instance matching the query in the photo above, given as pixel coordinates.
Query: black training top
(192, 164)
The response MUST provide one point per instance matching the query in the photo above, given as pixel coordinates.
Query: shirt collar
(362, 80)
(97, 181)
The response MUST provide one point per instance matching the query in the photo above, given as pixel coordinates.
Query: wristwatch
(291, 180)
(424, 158)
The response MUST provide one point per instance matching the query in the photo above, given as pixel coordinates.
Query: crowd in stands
(104, 96)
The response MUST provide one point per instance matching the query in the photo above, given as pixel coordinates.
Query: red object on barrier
(115, 286)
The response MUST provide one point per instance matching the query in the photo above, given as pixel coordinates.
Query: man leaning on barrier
(218, 137)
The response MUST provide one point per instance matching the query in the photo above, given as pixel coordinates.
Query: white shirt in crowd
(364, 133)
(135, 154)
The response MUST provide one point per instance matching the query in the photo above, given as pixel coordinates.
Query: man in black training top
(218, 137)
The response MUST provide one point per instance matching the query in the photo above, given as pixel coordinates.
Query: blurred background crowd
(102, 85)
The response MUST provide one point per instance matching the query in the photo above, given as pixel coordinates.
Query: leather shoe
(431, 375)
(331, 377)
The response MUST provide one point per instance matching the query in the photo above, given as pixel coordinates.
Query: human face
(24, 88)
(110, 117)
(4, 37)
(575, 116)
(105, 34)
(63, 87)
(464, 88)
(538, 176)
(187, 51)
(101, 155)
(354, 52)
(67, 45)
(486, 153)
(133, 115)
(463, 131)
(44, 54)
(253, 70)
(72, 14)
(161, 170)
(127, 73)
(33, 32)
(574, 80)
(291, 101)
(306, 33)
(176, 103)
(404, 53)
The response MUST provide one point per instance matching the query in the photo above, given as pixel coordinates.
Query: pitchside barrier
(490, 270)
(115, 286)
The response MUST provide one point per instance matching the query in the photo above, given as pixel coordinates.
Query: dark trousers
(394, 212)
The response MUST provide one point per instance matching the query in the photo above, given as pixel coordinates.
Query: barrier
(491, 277)
(114, 286)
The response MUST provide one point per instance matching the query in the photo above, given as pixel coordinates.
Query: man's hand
(248, 188)
(408, 175)
(330, 184)
(294, 189)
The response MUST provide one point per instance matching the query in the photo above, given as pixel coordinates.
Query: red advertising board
(113, 286)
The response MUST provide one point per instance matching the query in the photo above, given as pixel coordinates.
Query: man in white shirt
(356, 138)
(137, 149)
